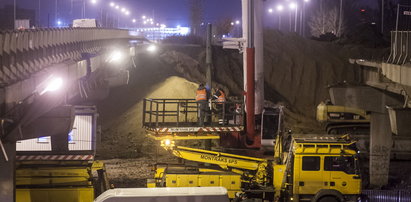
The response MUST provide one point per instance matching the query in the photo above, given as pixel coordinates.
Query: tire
(328, 199)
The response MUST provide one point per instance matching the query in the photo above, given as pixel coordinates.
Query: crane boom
(236, 163)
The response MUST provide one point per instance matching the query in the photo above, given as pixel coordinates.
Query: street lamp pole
(14, 15)
(290, 20)
(279, 21)
(295, 18)
(340, 19)
(382, 16)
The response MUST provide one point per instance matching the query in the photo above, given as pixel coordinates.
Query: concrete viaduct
(83, 61)
(384, 93)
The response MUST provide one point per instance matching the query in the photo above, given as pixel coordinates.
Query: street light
(93, 1)
(115, 56)
(112, 4)
(152, 48)
(237, 22)
(270, 10)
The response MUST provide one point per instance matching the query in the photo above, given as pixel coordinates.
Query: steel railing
(185, 113)
(387, 195)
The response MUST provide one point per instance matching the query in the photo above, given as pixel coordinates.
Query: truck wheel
(328, 199)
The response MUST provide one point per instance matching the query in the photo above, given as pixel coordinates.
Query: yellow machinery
(62, 170)
(63, 181)
(313, 169)
(343, 120)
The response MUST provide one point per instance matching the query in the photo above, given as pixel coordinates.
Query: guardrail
(387, 196)
(25, 52)
(159, 113)
(400, 47)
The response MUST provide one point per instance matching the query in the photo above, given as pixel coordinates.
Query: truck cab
(323, 170)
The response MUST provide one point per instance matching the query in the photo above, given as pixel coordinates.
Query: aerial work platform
(180, 118)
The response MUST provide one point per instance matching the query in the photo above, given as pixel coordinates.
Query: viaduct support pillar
(7, 173)
(380, 149)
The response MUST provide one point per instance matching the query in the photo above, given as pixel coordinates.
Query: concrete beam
(364, 97)
(400, 119)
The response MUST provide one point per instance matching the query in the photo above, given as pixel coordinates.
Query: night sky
(169, 12)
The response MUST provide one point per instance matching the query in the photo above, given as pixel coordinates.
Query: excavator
(343, 120)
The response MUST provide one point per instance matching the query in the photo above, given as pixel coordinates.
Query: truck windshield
(340, 163)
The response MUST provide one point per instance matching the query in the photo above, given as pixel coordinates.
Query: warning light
(362, 10)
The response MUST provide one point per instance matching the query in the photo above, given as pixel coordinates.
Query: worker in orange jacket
(220, 100)
(202, 100)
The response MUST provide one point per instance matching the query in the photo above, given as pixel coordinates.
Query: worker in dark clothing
(220, 100)
(202, 100)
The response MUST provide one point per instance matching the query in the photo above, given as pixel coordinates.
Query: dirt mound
(123, 136)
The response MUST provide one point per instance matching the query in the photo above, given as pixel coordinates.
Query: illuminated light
(93, 1)
(237, 22)
(184, 30)
(167, 142)
(151, 22)
(59, 22)
(306, 0)
(280, 7)
(127, 13)
(134, 20)
(157, 24)
(178, 26)
(270, 10)
(143, 17)
(123, 10)
(144, 22)
(292, 5)
(152, 48)
(117, 7)
(52, 84)
(163, 26)
(362, 10)
(112, 4)
(232, 23)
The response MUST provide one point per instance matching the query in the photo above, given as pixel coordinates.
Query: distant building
(160, 33)
(6, 16)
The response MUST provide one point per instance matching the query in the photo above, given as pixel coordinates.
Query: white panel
(81, 135)
(36, 144)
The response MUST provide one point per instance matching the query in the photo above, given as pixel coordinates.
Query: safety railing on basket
(186, 113)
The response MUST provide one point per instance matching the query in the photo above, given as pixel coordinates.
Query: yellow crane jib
(235, 163)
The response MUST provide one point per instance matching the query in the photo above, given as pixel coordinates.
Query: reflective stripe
(221, 98)
(201, 95)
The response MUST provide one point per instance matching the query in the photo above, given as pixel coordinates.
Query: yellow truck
(60, 180)
(321, 170)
